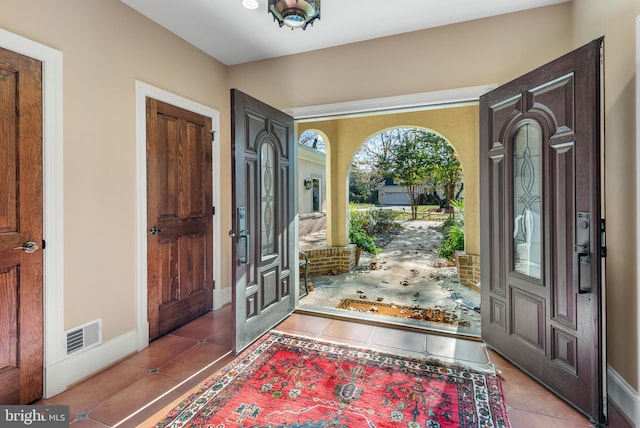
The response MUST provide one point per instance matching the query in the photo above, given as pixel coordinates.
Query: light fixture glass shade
(250, 4)
(295, 13)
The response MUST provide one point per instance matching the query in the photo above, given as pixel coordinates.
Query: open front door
(543, 224)
(263, 216)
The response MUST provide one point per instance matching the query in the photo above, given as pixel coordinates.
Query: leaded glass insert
(267, 198)
(527, 200)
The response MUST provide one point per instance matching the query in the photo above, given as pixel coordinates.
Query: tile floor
(133, 392)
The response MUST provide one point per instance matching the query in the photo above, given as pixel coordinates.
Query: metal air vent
(84, 336)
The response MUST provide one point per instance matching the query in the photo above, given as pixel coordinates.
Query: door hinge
(213, 210)
(44, 244)
(214, 284)
(213, 135)
(603, 238)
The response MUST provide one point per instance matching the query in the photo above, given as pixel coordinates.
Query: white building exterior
(311, 181)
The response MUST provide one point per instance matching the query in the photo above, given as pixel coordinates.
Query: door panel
(263, 216)
(180, 239)
(21, 294)
(540, 214)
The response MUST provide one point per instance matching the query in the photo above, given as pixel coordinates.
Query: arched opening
(373, 281)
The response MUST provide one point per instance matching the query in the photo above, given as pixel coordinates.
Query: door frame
(633, 403)
(384, 105)
(52, 153)
(220, 297)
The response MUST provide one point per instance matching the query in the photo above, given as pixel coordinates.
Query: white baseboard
(83, 364)
(622, 395)
(221, 297)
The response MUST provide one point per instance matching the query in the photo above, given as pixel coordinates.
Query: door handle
(582, 250)
(154, 230)
(244, 258)
(28, 247)
(243, 238)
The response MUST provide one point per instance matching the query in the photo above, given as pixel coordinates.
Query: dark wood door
(21, 313)
(263, 215)
(541, 220)
(179, 216)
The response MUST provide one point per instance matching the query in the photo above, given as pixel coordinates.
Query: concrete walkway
(407, 272)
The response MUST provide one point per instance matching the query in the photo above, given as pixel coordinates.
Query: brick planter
(468, 269)
(331, 260)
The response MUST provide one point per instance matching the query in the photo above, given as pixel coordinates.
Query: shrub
(453, 241)
(382, 221)
(453, 231)
(359, 234)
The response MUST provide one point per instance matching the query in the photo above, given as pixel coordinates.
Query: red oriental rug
(287, 381)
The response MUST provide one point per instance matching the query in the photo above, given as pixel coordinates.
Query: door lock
(243, 236)
(582, 250)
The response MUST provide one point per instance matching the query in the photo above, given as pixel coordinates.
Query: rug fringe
(488, 368)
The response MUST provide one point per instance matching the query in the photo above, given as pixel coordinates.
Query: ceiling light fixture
(250, 4)
(295, 13)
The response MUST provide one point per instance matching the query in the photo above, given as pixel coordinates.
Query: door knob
(28, 247)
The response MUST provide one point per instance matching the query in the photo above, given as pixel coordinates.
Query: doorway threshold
(392, 322)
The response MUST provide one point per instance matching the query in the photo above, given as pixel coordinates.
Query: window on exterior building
(315, 195)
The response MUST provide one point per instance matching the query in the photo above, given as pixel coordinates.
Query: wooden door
(263, 215)
(542, 226)
(179, 217)
(21, 304)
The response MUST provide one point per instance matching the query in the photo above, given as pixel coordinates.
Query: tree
(313, 140)
(375, 154)
(409, 166)
(422, 161)
(363, 185)
(445, 171)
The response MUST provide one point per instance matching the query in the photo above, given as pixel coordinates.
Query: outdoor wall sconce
(308, 183)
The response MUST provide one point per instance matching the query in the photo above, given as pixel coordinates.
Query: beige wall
(492, 50)
(107, 46)
(615, 19)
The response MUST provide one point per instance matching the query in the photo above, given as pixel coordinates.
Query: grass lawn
(424, 213)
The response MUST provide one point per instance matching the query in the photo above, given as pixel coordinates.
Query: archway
(344, 136)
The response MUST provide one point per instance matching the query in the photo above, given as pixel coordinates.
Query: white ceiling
(234, 35)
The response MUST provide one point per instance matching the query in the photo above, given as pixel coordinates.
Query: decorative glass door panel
(527, 200)
(267, 197)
